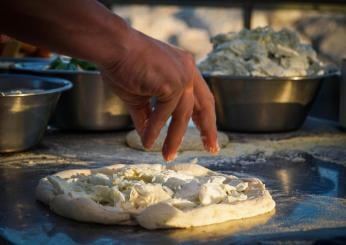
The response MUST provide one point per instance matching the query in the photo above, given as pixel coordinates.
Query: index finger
(178, 125)
(204, 115)
(157, 120)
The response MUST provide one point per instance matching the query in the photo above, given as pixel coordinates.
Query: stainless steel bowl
(89, 105)
(6, 63)
(256, 104)
(342, 108)
(24, 117)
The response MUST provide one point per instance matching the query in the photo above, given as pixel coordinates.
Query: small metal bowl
(24, 115)
(89, 105)
(262, 104)
(7, 63)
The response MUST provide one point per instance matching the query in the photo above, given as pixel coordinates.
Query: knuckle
(167, 89)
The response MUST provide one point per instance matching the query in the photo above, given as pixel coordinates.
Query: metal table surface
(310, 200)
(310, 196)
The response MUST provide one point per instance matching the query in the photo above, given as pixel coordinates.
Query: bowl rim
(15, 67)
(28, 59)
(268, 78)
(65, 85)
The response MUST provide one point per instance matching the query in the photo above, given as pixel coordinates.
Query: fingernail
(213, 149)
(168, 156)
(147, 145)
(145, 142)
(171, 157)
(141, 134)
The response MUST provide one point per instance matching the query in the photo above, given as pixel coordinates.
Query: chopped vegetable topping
(71, 64)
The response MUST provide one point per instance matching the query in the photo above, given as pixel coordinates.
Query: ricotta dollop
(133, 189)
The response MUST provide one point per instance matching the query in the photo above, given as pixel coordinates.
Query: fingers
(178, 125)
(138, 106)
(157, 120)
(4, 38)
(204, 115)
(140, 117)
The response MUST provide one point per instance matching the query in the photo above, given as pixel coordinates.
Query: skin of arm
(136, 66)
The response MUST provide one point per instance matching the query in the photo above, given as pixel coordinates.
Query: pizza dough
(191, 142)
(153, 195)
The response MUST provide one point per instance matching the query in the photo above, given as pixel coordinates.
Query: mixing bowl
(261, 104)
(26, 104)
(6, 63)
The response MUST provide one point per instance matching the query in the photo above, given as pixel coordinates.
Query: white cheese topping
(133, 189)
(261, 52)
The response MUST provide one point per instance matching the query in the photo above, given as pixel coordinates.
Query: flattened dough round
(163, 214)
(191, 142)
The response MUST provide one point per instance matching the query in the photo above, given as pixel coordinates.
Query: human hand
(151, 68)
(4, 38)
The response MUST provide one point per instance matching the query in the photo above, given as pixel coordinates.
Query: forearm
(80, 28)
(85, 29)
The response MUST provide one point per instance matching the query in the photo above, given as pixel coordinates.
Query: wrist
(116, 42)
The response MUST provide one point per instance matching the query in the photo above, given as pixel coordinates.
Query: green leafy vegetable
(72, 64)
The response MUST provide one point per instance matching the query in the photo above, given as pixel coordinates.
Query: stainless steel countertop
(310, 193)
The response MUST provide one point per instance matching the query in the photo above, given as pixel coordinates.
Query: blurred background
(190, 24)
(321, 24)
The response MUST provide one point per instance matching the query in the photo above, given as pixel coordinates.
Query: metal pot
(90, 105)
(256, 104)
(343, 95)
(24, 117)
(6, 63)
